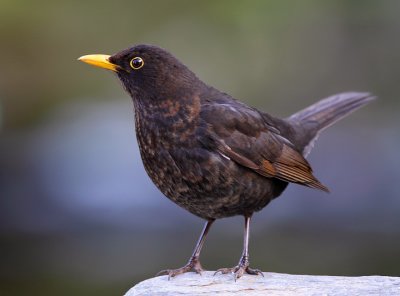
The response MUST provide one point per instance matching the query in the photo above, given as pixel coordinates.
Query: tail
(326, 112)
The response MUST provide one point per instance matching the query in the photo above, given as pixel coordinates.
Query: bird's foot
(240, 269)
(193, 265)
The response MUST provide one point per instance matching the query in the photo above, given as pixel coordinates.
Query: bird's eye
(137, 63)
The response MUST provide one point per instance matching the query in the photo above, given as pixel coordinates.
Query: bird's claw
(240, 269)
(193, 265)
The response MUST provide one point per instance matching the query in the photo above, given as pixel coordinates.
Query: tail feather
(326, 112)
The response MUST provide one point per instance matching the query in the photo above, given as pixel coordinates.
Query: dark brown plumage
(209, 153)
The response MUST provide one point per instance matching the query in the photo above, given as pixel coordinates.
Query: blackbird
(210, 153)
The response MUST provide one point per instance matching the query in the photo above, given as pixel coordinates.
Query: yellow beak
(99, 60)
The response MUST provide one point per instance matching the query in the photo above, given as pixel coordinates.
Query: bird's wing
(241, 134)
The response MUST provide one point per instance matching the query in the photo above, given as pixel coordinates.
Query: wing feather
(244, 137)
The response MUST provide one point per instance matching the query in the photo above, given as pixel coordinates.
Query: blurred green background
(79, 216)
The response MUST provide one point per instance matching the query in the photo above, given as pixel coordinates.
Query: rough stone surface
(272, 284)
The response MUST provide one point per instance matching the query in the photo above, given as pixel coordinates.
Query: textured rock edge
(271, 284)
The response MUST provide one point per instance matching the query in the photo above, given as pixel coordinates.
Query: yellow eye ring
(136, 63)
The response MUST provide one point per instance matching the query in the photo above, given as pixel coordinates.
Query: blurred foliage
(258, 50)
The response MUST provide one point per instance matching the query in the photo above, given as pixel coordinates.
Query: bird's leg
(194, 261)
(243, 265)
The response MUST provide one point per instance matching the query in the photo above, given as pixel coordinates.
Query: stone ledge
(272, 284)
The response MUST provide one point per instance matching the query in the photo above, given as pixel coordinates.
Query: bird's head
(147, 71)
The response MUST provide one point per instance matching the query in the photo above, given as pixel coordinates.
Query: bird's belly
(209, 185)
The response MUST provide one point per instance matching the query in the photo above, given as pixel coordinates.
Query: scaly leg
(243, 265)
(194, 261)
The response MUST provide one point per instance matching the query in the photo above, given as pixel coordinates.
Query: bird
(210, 153)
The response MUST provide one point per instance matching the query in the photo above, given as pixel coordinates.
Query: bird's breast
(166, 123)
(166, 133)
